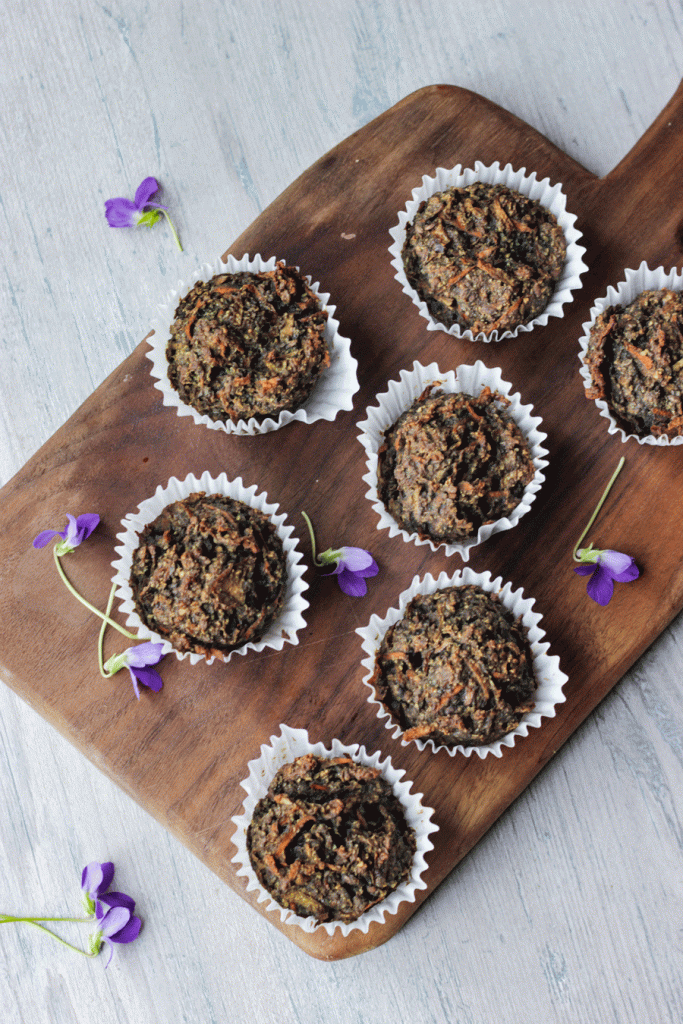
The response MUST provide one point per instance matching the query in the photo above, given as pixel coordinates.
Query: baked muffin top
(451, 463)
(635, 357)
(330, 839)
(456, 668)
(248, 344)
(484, 257)
(209, 574)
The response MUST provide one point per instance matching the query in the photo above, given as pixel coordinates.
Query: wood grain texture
(210, 720)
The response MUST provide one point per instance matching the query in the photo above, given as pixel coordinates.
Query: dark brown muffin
(248, 344)
(452, 463)
(484, 257)
(330, 839)
(635, 357)
(456, 669)
(210, 574)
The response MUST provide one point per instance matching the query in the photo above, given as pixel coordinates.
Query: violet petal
(601, 586)
(111, 950)
(632, 572)
(356, 558)
(72, 531)
(118, 899)
(107, 876)
(45, 536)
(148, 653)
(145, 191)
(614, 561)
(113, 921)
(121, 213)
(91, 877)
(86, 523)
(148, 677)
(134, 681)
(352, 583)
(585, 570)
(369, 570)
(130, 931)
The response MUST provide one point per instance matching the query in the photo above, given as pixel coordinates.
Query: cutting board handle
(645, 195)
(662, 143)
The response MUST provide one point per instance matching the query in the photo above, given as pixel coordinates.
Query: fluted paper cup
(282, 630)
(332, 393)
(550, 196)
(549, 677)
(293, 743)
(470, 380)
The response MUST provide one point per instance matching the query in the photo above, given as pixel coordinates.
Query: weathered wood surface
(566, 909)
(210, 720)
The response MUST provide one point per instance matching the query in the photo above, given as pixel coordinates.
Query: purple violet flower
(137, 660)
(76, 531)
(129, 213)
(95, 880)
(604, 567)
(117, 922)
(354, 565)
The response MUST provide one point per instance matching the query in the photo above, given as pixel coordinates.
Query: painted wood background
(570, 908)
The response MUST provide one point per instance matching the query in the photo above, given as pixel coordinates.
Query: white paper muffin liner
(635, 282)
(290, 620)
(294, 743)
(550, 196)
(468, 379)
(332, 393)
(547, 671)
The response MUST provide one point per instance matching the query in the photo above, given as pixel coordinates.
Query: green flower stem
(100, 642)
(172, 227)
(9, 918)
(309, 524)
(90, 607)
(329, 557)
(29, 920)
(599, 505)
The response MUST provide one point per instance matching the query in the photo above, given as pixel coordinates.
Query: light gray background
(570, 909)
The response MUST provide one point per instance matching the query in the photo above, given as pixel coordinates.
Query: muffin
(635, 359)
(452, 463)
(484, 257)
(209, 574)
(330, 838)
(457, 668)
(248, 344)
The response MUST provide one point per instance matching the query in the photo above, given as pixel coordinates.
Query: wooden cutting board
(183, 752)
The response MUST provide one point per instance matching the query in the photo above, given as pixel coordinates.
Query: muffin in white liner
(293, 743)
(550, 196)
(547, 671)
(635, 282)
(288, 622)
(468, 379)
(332, 393)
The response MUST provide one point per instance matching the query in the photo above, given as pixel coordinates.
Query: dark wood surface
(182, 753)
